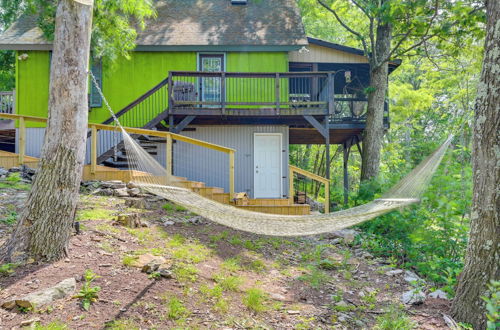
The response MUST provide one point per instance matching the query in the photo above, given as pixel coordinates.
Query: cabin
(240, 75)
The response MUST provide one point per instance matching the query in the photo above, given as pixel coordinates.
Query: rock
(9, 304)
(413, 297)
(342, 304)
(133, 192)
(394, 272)
(14, 169)
(347, 234)
(132, 185)
(121, 192)
(3, 171)
(25, 323)
(165, 272)
(198, 220)
(147, 258)
(168, 223)
(114, 184)
(412, 277)
(131, 220)
(150, 267)
(293, 312)
(278, 297)
(438, 294)
(46, 296)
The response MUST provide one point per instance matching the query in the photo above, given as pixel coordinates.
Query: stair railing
(95, 128)
(295, 170)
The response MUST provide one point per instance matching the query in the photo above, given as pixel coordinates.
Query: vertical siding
(212, 167)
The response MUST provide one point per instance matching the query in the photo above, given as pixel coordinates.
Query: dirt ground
(222, 278)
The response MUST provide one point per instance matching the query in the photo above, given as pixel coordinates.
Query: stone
(3, 171)
(147, 258)
(293, 312)
(132, 185)
(412, 277)
(168, 223)
(347, 234)
(14, 169)
(165, 272)
(114, 184)
(394, 272)
(278, 297)
(25, 323)
(130, 220)
(438, 294)
(197, 220)
(133, 192)
(45, 296)
(121, 192)
(150, 267)
(413, 297)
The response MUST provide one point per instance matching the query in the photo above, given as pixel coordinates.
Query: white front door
(267, 165)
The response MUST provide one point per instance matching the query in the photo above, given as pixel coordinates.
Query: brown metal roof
(212, 23)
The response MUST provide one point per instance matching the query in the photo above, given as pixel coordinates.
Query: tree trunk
(374, 132)
(45, 224)
(482, 259)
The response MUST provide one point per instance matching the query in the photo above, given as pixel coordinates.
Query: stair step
(221, 198)
(269, 201)
(295, 209)
(191, 184)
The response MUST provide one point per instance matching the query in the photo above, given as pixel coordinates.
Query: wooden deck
(103, 173)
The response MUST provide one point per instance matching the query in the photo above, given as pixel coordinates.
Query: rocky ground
(177, 270)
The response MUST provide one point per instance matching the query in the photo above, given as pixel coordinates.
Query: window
(95, 99)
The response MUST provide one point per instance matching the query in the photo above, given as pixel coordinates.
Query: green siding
(126, 80)
(32, 85)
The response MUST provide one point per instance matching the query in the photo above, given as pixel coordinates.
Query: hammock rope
(153, 177)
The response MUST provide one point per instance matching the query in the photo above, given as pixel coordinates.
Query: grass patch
(315, 277)
(54, 325)
(185, 272)
(255, 300)
(176, 241)
(221, 236)
(129, 260)
(170, 208)
(107, 228)
(176, 309)
(256, 265)
(191, 253)
(395, 318)
(10, 219)
(94, 214)
(122, 325)
(232, 264)
(228, 283)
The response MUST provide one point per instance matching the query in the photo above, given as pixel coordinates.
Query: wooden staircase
(105, 173)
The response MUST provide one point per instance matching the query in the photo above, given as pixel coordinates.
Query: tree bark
(374, 132)
(45, 224)
(482, 259)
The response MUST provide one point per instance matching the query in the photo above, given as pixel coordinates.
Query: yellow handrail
(325, 181)
(133, 130)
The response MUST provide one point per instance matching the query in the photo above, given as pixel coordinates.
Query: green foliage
(315, 277)
(493, 305)
(255, 300)
(7, 269)
(185, 272)
(9, 219)
(88, 294)
(228, 283)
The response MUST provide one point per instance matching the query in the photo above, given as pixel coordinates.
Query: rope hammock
(154, 178)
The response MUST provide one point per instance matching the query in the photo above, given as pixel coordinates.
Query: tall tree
(45, 224)
(390, 29)
(483, 251)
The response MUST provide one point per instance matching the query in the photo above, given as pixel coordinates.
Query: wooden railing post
(22, 140)
(223, 92)
(170, 92)
(331, 94)
(231, 175)
(93, 149)
(327, 197)
(277, 96)
(169, 155)
(291, 189)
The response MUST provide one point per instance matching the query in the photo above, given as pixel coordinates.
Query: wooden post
(231, 175)
(327, 197)
(169, 156)
(170, 93)
(93, 149)
(223, 92)
(327, 163)
(22, 140)
(277, 96)
(346, 174)
(331, 94)
(291, 189)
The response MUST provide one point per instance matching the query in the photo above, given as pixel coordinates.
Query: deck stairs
(105, 173)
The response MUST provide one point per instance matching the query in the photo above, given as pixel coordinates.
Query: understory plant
(88, 294)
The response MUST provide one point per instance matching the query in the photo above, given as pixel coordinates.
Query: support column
(346, 173)
(327, 163)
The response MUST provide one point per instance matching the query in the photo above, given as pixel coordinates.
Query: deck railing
(8, 102)
(228, 93)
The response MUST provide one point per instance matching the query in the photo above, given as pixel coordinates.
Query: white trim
(224, 54)
(280, 175)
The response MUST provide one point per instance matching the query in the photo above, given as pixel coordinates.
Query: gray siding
(212, 167)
